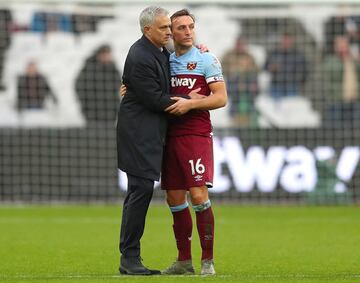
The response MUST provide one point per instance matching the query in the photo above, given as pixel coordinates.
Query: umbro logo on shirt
(183, 82)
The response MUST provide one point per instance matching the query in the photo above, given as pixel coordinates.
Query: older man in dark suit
(141, 130)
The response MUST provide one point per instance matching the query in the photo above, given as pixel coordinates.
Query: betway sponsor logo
(176, 82)
(293, 169)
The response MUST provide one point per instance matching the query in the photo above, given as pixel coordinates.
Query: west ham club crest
(191, 66)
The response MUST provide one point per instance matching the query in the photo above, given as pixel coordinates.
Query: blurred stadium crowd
(285, 67)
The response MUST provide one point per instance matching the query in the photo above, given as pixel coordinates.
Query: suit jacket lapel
(167, 54)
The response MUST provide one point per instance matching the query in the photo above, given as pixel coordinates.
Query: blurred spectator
(87, 23)
(84, 23)
(241, 74)
(340, 84)
(288, 68)
(47, 22)
(5, 35)
(348, 26)
(97, 87)
(32, 89)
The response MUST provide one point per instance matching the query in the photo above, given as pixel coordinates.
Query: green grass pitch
(252, 244)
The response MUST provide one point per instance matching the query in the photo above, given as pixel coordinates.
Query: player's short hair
(180, 13)
(148, 15)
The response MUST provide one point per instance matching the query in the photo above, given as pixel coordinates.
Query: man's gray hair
(147, 16)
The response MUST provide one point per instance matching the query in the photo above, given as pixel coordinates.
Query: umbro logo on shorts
(198, 178)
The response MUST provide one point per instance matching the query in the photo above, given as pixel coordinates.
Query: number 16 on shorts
(196, 166)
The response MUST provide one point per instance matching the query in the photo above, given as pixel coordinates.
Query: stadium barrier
(267, 166)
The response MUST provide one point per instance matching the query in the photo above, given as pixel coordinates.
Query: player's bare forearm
(217, 98)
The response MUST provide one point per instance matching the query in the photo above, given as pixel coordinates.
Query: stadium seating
(287, 112)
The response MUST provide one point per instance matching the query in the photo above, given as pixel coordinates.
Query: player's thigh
(199, 195)
(172, 173)
(197, 161)
(176, 197)
(188, 162)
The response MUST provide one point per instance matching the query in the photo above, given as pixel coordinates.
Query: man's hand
(180, 107)
(183, 105)
(122, 90)
(203, 48)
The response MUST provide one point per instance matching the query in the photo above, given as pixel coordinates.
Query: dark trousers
(136, 204)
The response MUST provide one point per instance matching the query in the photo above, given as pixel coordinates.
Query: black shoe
(155, 272)
(134, 266)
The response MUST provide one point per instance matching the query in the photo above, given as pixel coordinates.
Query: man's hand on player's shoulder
(202, 47)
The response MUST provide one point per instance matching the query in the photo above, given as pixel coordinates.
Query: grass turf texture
(252, 244)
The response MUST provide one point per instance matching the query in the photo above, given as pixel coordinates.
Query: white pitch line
(50, 220)
(73, 220)
(96, 276)
(259, 276)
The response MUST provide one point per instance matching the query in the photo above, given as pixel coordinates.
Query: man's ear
(147, 28)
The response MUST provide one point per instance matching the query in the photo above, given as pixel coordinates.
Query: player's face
(183, 30)
(159, 32)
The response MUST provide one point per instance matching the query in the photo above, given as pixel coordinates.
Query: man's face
(31, 69)
(287, 42)
(341, 46)
(105, 57)
(183, 31)
(159, 32)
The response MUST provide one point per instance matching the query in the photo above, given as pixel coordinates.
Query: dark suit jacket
(142, 122)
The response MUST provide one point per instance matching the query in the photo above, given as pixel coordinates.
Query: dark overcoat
(142, 122)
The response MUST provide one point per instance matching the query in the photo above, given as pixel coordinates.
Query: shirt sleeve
(212, 68)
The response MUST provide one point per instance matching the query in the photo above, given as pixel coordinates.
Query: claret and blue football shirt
(189, 72)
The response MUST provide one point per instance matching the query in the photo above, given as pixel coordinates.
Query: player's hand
(203, 48)
(122, 90)
(180, 107)
(195, 95)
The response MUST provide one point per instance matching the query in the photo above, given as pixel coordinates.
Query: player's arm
(218, 96)
(192, 95)
(217, 99)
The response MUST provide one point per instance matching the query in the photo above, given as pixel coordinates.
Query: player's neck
(181, 50)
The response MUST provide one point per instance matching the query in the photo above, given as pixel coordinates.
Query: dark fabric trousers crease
(136, 204)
